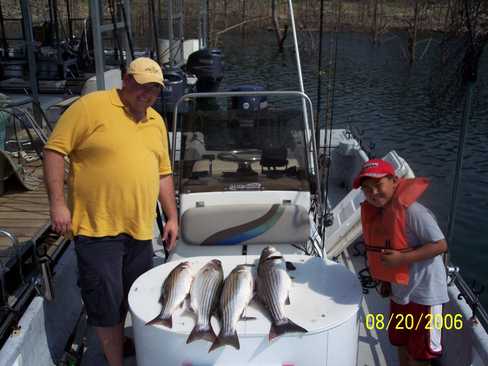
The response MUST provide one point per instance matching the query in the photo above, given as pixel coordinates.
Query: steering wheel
(241, 156)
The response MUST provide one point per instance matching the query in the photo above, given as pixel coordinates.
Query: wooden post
(412, 35)
(243, 27)
(375, 22)
(276, 22)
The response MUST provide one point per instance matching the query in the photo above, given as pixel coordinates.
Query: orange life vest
(385, 228)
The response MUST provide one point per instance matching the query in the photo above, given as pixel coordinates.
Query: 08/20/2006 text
(409, 322)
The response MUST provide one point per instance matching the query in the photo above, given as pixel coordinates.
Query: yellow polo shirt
(115, 165)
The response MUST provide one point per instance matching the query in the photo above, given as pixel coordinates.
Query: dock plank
(24, 214)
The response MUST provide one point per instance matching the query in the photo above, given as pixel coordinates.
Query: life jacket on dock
(385, 228)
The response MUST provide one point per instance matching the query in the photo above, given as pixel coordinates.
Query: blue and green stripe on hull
(238, 234)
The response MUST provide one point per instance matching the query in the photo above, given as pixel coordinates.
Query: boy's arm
(393, 258)
(425, 231)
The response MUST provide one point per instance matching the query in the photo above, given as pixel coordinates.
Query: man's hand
(61, 219)
(393, 258)
(170, 234)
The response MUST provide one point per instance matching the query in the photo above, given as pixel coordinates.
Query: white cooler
(325, 298)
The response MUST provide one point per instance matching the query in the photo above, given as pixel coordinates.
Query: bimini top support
(310, 131)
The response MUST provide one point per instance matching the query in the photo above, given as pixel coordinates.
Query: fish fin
(189, 312)
(216, 312)
(287, 301)
(287, 327)
(167, 322)
(227, 340)
(186, 303)
(245, 317)
(290, 266)
(259, 303)
(274, 257)
(201, 332)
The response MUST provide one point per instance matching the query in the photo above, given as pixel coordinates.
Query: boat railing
(25, 273)
(470, 293)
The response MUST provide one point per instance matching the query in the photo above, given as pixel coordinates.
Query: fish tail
(226, 340)
(167, 322)
(201, 332)
(286, 327)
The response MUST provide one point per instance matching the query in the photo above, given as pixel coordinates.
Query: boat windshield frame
(309, 133)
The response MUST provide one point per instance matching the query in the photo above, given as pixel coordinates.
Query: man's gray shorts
(107, 268)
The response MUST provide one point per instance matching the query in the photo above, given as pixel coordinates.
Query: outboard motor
(251, 103)
(207, 65)
(175, 86)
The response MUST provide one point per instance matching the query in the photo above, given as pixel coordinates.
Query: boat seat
(245, 224)
(274, 157)
(217, 166)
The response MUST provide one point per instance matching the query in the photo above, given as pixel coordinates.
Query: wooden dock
(24, 213)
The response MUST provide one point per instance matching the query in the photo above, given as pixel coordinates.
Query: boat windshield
(236, 149)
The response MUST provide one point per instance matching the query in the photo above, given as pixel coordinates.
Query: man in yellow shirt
(118, 150)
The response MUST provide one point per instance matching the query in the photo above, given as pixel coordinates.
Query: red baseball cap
(374, 168)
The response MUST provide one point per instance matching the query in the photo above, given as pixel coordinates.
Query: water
(390, 105)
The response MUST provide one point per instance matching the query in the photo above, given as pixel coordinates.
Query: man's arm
(54, 180)
(168, 202)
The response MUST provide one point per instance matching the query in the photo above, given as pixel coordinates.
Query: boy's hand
(393, 258)
(385, 289)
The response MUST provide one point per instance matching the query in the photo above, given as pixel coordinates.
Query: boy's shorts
(412, 326)
(107, 268)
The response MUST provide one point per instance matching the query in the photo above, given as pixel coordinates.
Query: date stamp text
(409, 322)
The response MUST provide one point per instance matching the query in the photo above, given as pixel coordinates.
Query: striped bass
(273, 288)
(176, 288)
(204, 297)
(236, 295)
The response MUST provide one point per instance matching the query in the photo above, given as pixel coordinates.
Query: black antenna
(155, 28)
(319, 82)
(129, 36)
(2, 30)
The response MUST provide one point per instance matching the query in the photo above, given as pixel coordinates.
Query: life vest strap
(374, 248)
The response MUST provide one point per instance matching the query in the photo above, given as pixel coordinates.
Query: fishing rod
(329, 124)
(118, 48)
(126, 27)
(470, 70)
(152, 8)
(2, 33)
(319, 81)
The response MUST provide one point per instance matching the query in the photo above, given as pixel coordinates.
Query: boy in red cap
(404, 245)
